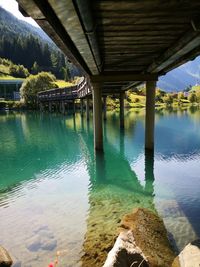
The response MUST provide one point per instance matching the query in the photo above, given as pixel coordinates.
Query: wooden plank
(136, 43)
(152, 33)
(132, 47)
(143, 27)
(137, 38)
(137, 21)
(128, 60)
(159, 13)
(135, 69)
(145, 5)
(123, 76)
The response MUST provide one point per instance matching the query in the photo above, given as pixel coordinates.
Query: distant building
(9, 89)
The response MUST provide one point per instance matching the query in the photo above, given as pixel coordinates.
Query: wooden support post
(121, 101)
(50, 106)
(87, 108)
(57, 106)
(150, 114)
(81, 103)
(104, 108)
(63, 107)
(74, 107)
(97, 116)
(41, 107)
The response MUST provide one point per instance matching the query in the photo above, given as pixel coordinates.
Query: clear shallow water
(56, 195)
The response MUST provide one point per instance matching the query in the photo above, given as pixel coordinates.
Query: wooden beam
(184, 45)
(143, 27)
(85, 14)
(145, 5)
(68, 16)
(123, 76)
(189, 56)
(131, 85)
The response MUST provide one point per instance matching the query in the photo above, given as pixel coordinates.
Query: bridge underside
(119, 44)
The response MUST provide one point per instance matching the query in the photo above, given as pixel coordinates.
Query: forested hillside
(29, 46)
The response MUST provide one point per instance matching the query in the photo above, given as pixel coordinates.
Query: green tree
(35, 68)
(18, 71)
(168, 99)
(181, 96)
(198, 96)
(159, 95)
(36, 83)
(192, 97)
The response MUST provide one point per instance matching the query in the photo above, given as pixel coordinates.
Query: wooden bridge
(80, 90)
(119, 44)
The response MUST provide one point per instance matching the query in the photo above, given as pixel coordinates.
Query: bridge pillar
(104, 108)
(97, 116)
(63, 107)
(60, 106)
(87, 108)
(73, 107)
(50, 106)
(81, 103)
(41, 106)
(121, 101)
(150, 114)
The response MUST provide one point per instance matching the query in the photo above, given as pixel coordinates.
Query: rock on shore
(142, 242)
(189, 256)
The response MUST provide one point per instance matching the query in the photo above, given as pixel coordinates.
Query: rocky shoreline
(142, 242)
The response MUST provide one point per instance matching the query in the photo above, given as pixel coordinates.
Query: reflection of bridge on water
(114, 191)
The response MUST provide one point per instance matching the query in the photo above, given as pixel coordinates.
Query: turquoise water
(57, 195)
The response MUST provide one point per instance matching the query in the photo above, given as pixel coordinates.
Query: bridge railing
(77, 91)
(84, 88)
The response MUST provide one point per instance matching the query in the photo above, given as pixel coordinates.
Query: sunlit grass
(62, 83)
(8, 77)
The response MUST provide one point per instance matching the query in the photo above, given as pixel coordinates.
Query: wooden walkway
(81, 90)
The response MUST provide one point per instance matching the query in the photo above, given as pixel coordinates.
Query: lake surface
(57, 195)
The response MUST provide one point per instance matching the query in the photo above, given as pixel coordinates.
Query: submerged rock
(42, 239)
(189, 256)
(142, 242)
(5, 259)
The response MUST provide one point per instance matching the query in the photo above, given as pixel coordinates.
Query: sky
(12, 7)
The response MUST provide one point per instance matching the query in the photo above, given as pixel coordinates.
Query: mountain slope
(11, 26)
(181, 77)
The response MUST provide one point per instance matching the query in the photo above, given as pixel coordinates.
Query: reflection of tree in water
(114, 191)
(34, 136)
